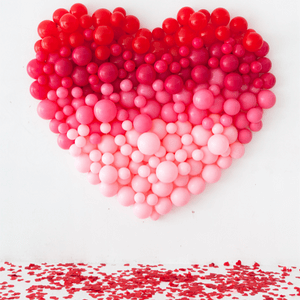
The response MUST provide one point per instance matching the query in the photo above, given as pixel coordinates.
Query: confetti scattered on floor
(160, 282)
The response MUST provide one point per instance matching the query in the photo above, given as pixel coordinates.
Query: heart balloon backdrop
(151, 116)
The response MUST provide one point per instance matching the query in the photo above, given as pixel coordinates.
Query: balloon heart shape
(151, 116)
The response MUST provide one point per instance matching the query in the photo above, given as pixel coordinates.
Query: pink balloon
(109, 190)
(203, 99)
(196, 185)
(126, 196)
(108, 174)
(162, 189)
(180, 196)
(148, 143)
(211, 173)
(47, 109)
(218, 144)
(166, 172)
(163, 206)
(82, 163)
(105, 111)
(142, 210)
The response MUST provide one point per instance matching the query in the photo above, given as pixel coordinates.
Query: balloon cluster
(151, 116)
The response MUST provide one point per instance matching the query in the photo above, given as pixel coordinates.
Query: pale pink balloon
(200, 135)
(218, 144)
(83, 163)
(148, 143)
(224, 162)
(162, 189)
(196, 185)
(126, 196)
(93, 178)
(211, 173)
(142, 210)
(167, 172)
(140, 185)
(180, 196)
(237, 150)
(108, 174)
(159, 128)
(152, 199)
(163, 206)
(181, 180)
(109, 190)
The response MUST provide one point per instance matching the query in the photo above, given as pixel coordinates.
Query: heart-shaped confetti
(151, 116)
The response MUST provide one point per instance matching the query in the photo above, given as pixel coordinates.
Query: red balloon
(85, 21)
(198, 21)
(220, 16)
(78, 10)
(238, 25)
(47, 28)
(170, 25)
(68, 23)
(103, 35)
(184, 14)
(140, 44)
(58, 14)
(252, 42)
(101, 17)
(117, 19)
(50, 43)
(132, 24)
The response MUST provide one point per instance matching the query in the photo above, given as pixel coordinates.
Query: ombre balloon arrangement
(151, 116)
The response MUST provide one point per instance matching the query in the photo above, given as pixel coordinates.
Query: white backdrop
(49, 212)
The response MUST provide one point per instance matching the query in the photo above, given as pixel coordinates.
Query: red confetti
(76, 281)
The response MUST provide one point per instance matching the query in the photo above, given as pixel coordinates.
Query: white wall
(49, 212)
